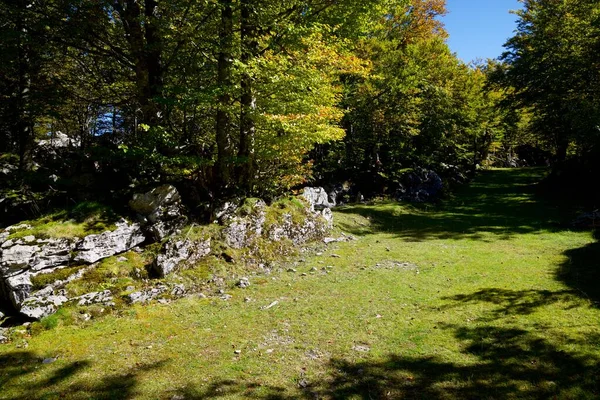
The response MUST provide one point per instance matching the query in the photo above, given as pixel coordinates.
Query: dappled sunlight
(494, 204)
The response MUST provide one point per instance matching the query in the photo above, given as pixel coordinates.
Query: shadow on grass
(503, 202)
(515, 302)
(16, 366)
(581, 270)
(502, 363)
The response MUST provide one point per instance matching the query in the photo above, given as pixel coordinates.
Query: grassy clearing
(487, 296)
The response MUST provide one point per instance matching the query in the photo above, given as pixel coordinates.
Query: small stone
(121, 259)
(243, 283)
(269, 351)
(201, 295)
(313, 269)
(291, 270)
(3, 339)
(303, 274)
(226, 297)
(130, 288)
(361, 348)
(49, 360)
(319, 254)
(247, 299)
(237, 352)
(336, 256)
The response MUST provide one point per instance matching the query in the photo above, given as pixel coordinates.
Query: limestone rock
(59, 140)
(96, 247)
(105, 297)
(246, 225)
(144, 296)
(161, 211)
(54, 252)
(317, 198)
(16, 257)
(176, 251)
(243, 283)
(40, 307)
(17, 288)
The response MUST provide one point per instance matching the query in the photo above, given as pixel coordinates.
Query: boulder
(176, 251)
(160, 210)
(38, 307)
(17, 288)
(16, 256)
(419, 185)
(314, 226)
(59, 140)
(246, 224)
(96, 247)
(317, 198)
(53, 253)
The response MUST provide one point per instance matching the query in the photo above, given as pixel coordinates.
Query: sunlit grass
(481, 297)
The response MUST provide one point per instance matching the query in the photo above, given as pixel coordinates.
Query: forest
(256, 98)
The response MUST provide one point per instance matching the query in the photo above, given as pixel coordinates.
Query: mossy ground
(84, 219)
(489, 295)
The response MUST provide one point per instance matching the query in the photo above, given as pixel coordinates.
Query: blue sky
(479, 28)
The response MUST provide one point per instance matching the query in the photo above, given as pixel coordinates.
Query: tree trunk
(223, 119)
(249, 50)
(23, 123)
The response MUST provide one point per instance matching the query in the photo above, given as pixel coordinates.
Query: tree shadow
(514, 302)
(17, 365)
(502, 202)
(499, 363)
(511, 363)
(581, 270)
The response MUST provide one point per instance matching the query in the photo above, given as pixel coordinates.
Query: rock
(16, 257)
(178, 291)
(160, 210)
(59, 140)
(49, 360)
(54, 252)
(243, 283)
(144, 296)
(16, 288)
(176, 251)
(317, 198)
(246, 224)
(587, 220)
(419, 185)
(313, 227)
(15, 228)
(87, 299)
(3, 338)
(96, 247)
(40, 307)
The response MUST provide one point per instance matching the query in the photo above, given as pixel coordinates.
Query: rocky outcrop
(38, 307)
(419, 185)
(177, 251)
(23, 258)
(160, 211)
(96, 247)
(245, 224)
(318, 198)
(314, 226)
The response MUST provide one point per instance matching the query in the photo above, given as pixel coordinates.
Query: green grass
(500, 300)
(84, 219)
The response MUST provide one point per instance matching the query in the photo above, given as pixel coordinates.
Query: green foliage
(41, 280)
(551, 69)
